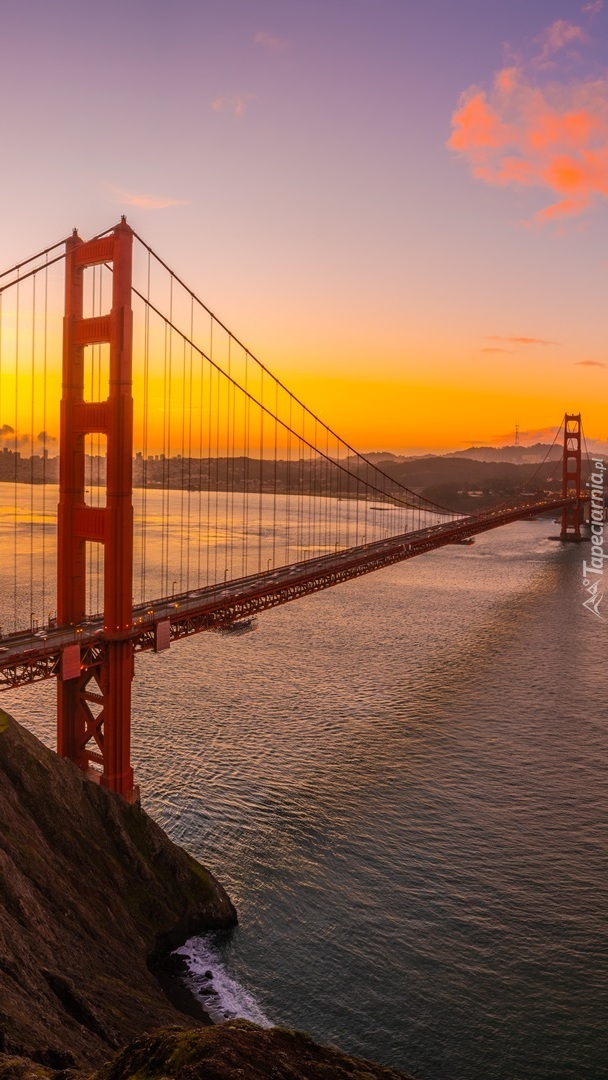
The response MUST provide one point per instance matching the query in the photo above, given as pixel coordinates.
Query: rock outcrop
(236, 1049)
(92, 892)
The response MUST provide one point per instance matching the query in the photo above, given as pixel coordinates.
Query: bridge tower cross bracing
(94, 704)
(571, 477)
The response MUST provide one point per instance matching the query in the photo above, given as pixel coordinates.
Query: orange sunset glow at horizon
(463, 397)
(431, 277)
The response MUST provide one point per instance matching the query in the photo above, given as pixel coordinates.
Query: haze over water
(401, 783)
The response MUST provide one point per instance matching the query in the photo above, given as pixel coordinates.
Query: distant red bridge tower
(571, 477)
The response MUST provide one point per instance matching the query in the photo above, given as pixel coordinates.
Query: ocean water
(402, 784)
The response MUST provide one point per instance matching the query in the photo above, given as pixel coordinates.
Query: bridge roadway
(27, 657)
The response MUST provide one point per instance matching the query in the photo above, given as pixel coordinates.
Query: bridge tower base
(94, 699)
(571, 478)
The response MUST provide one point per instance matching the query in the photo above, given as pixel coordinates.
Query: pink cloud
(270, 41)
(526, 133)
(590, 363)
(522, 340)
(558, 36)
(147, 202)
(593, 7)
(506, 80)
(478, 128)
(235, 104)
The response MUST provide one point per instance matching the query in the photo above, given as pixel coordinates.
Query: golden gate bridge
(194, 489)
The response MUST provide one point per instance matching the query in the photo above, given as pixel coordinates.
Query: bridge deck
(26, 657)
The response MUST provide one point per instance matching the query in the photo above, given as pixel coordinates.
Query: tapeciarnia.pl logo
(593, 571)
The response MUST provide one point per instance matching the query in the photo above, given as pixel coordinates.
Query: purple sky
(289, 159)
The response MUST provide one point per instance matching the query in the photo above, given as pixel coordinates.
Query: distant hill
(479, 477)
(516, 455)
(378, 456)
(461, 482)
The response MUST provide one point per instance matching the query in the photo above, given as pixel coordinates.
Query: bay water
(401, 783)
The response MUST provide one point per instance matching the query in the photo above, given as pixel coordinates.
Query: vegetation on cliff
(236, 1049)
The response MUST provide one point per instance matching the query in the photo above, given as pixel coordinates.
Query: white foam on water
(222, 997)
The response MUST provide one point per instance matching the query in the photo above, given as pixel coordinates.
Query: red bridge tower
(94, 705)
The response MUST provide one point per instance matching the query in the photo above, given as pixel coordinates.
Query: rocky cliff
(93, 895)
(91, 891)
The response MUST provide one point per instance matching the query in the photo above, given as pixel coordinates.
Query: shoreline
(168, 970)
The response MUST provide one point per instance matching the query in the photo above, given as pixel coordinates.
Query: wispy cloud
(557, 36)
(593, 7)
(233, 103)
(529, 437)
(147, 202)
(535, 130)
(590, 363)
(270, 41)
(522, 340)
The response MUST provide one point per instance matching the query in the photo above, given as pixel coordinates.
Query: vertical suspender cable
(190, 411)
(300, 507)
(229, 524)
(144, 478)
(169, 431)
(246, 470)
(210, 409)
(32, 606)
(339, 530)
(261, 475)
(15, 461)
(313, 463)
(163, 568)
(217, 477)
(200, 471)
(101, 479)
(274, 485)
(288, 540)
(329, 489)
(182, 472)
(91, 443)
(1, 380)
(232, 470)
(44, 432)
